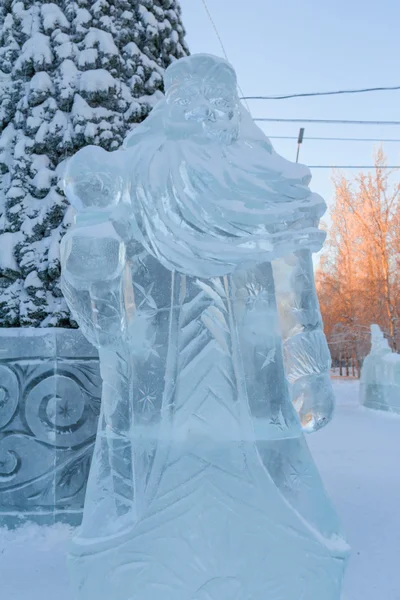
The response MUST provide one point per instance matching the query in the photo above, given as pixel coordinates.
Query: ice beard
(208, 192)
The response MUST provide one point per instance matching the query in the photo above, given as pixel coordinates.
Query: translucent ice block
(380, 375)
(306, 352)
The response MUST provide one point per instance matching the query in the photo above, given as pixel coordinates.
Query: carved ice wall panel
(50, 390)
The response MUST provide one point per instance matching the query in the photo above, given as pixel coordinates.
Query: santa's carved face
(205, 100)
(199, 101)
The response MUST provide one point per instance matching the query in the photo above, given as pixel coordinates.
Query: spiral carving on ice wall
(49, 408)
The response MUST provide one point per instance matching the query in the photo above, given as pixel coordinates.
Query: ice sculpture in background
(380, 375)
(202, 486)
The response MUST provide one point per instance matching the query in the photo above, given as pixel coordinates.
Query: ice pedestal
(201, 485)
(380, 375)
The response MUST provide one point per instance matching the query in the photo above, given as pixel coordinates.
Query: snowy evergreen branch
(72, 73)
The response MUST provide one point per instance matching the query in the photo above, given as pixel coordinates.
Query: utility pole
(299, 142)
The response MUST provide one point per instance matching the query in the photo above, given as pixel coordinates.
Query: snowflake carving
(298, 477)
(147, 399)
(256, 296)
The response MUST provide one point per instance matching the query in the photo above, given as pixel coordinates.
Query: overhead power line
(216, 30)
(334, 93)
(222, 45)
(333, 139)
(329, 121)
(352, 167)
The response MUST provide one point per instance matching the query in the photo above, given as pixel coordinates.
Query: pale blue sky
(285, 46)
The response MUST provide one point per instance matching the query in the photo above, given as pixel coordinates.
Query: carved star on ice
(147, 298)
(268, 359)
(151, 348)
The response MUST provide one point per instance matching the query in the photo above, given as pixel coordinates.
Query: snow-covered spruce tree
(72, 73)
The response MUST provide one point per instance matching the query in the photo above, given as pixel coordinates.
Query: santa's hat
(201, 66)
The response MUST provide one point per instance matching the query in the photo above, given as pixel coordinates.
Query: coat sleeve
(306, 353)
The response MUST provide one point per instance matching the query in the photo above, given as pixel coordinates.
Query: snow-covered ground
(358, 456)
